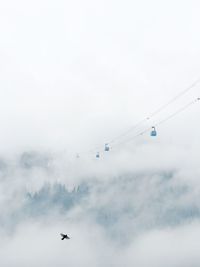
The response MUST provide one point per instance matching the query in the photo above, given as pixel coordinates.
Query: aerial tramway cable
(114, 142)
(157, 111)
(182, 109)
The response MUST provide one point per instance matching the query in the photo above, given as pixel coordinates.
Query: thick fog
(74, 76)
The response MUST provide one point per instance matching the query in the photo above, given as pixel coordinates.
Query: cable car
(97, 155)
(107, 147)
(153, 132)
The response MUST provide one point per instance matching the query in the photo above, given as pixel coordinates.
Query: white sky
(75, 73)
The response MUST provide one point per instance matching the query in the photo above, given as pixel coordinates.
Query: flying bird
(64, 236)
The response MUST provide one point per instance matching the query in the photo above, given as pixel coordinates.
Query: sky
(75, 75)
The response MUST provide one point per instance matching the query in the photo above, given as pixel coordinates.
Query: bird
(64, 236)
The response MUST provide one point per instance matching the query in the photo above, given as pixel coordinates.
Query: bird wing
(62, 235)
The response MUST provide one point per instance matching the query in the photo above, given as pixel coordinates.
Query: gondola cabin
(107, 147)
(153, 132)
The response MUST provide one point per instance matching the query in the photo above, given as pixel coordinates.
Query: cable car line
(157, 111)
(185, 107)
(141, 122)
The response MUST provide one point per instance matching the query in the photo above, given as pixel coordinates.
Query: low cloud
(140, 216)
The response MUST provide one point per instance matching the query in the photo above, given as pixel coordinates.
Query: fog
(74, 76)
